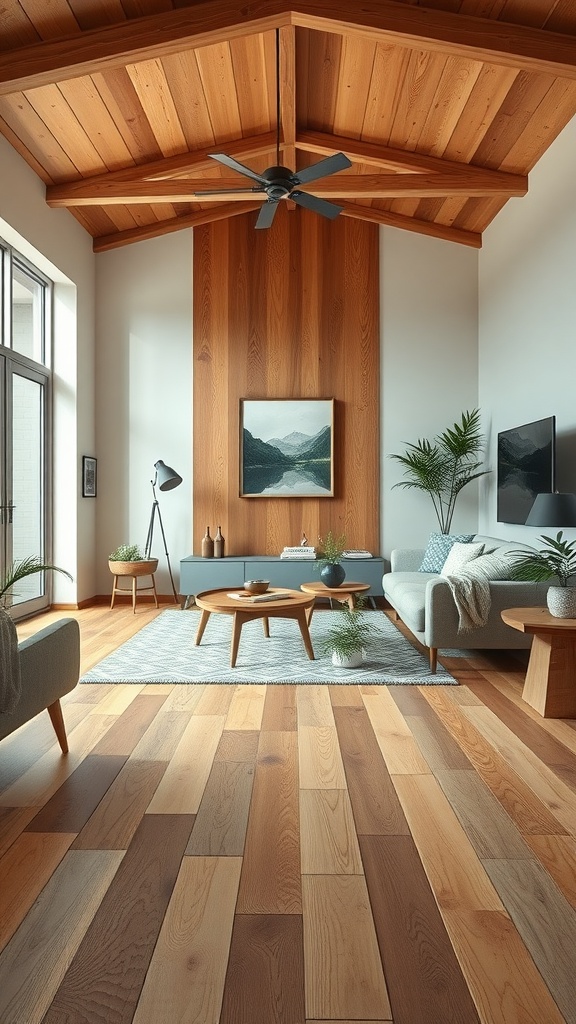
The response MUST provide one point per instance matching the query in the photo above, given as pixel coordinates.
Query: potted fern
(556, 561)
(348, 637)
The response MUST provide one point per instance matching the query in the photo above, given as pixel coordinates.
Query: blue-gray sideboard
(198, 574)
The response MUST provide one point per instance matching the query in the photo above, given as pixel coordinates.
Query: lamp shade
(166, 477)
(553, 510)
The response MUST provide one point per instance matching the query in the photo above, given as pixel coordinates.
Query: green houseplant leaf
(349, 634)
(331, 550)
(126, 553)
(556, 561)
(22, 568)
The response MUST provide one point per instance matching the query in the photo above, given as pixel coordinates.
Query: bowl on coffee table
(256, 586)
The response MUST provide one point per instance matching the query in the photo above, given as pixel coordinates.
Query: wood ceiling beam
(288, 93)
(336, 186)
(420, 227)
(103, 243)
(481, 39)
(213, 21)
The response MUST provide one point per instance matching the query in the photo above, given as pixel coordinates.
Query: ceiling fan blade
(332, 164)
(315, 204)
(267, 214)
(229, 161)
(236, 191)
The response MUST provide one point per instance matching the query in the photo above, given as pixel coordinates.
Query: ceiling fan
(278, 182)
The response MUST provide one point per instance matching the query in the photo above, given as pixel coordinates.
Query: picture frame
(287, 448)
(89, 469)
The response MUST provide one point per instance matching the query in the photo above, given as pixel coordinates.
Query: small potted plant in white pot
(128, 560)
(557, 562)
(332, 548)
(348, 637)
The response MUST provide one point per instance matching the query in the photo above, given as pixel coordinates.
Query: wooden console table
(550, 686)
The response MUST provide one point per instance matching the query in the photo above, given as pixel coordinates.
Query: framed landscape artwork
(287, 448)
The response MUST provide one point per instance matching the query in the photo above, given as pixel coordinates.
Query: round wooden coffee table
(550, 686)
(294, 606)
(346, 593)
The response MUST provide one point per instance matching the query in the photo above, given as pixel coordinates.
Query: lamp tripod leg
(166, 553)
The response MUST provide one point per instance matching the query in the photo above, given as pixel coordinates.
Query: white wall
(144, 398)
(58, 245)
(429, 369)
(527, 319)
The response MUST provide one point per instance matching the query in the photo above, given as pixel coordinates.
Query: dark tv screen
(526, 467)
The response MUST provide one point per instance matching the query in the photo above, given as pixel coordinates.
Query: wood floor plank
(13, 821)
(270, 882)
(438, 747)
(345, 696)
(215, 700)
(125, 928)
(265, 977)
(182, 785)
(246, 707)
(483, 819)
(78, 796)
(503, 979)
(375, 803)
(119, 699)
(130, 727)
(119, 813)
(238, 745)
(399, 747)
(35, 960)
(425, 982)
(314, 707)
(20, 751)
(558, 855)
(280, 709)
(183, 699)
(343, 970)
(453, 868)
(319, 758)
(545, 922)
(529, 813)
(162, 736)
(222, 818)
(185, 981)
(328, 842)
(24, 871)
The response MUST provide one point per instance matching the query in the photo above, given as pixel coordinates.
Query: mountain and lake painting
(287, 448)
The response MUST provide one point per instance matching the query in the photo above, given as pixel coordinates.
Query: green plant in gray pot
(556, 561)
(348, 637)
(19, 570)
(332, 548)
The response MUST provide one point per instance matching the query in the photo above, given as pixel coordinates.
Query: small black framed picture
(88, 477)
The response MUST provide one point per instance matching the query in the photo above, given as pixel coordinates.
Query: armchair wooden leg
(433, 659)
(57, 719)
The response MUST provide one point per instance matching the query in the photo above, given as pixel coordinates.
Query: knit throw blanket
(10, 682)
(472, 599)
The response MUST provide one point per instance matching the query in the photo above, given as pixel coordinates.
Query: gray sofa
(49, 668)
(425, 603)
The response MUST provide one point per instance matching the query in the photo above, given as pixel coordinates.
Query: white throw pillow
(490, 566)
(458, 556)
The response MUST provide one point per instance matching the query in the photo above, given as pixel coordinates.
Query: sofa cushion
(491, 566)
(459, 555)
(438, 548)
(407, 591)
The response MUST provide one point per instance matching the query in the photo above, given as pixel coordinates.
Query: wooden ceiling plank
(354, 77)
(104, 243)
(153, 91)
(514, 116)
(17, 29)
(548, 120)
(386, 85)
(420, 85)
(287, 70)
(183, 77)
(123, 103)
(454, 89)
(250, 68)
(25, 153)
(88, 107)
(483, 39)
(208, 23)
(395, 220)
(217, 77)
(52, 108)
(485, 101)
(384, 156)
(347, 186)
(36, 138)
(51, 20)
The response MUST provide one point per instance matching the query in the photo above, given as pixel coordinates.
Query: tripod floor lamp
(166, 478)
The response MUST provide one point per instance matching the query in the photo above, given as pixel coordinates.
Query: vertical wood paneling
(286, 313)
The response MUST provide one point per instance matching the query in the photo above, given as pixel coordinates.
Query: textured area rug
(164, 652)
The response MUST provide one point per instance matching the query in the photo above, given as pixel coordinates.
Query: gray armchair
(49, 668)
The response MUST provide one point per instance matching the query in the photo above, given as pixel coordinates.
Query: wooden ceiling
(442, 109)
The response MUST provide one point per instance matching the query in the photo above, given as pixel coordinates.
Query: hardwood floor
(288, 854)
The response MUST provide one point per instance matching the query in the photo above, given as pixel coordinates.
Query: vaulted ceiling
(443, 110)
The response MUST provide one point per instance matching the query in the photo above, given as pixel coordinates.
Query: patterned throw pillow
(458, 556)
(438, 548)
(492, 566)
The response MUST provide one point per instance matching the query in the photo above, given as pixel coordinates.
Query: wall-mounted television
(526, 467)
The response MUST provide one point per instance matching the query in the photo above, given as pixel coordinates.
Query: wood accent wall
(289, 312)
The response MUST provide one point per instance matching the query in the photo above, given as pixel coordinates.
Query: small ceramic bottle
(219, 545)
(207, 545)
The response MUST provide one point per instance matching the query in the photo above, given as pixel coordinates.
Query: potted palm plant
(19, 570)
(556, 561)
(332, 548)
(348, 637)
(443, 466)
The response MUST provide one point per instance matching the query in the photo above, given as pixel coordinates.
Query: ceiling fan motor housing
(281, 182)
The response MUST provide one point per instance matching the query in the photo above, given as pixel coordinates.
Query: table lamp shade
(166, 477)
(553, 509)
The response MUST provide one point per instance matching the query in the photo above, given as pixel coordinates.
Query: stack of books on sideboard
(304, 552)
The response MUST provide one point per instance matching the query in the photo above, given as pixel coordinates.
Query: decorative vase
(350, 661)
(207, 545)
(219, 544)
(561, 602)
(332, 575)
